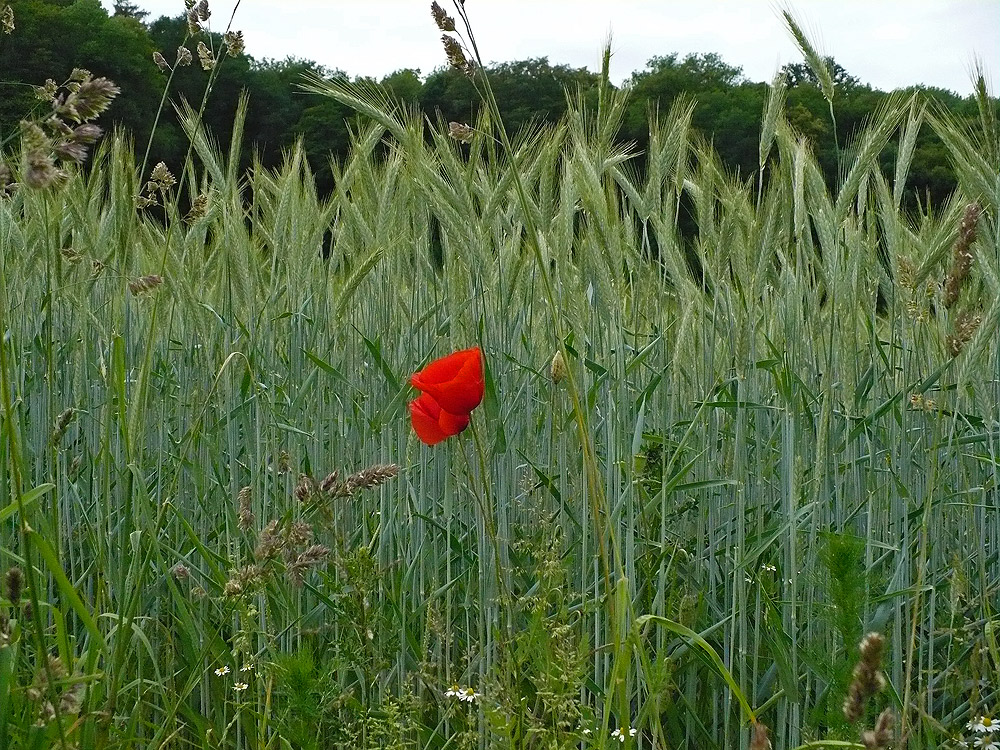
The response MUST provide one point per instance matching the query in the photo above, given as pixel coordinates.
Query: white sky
(885, 43)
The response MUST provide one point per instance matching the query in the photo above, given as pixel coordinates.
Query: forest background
(54, 36)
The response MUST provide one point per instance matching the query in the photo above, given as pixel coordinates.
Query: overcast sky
(885, 43)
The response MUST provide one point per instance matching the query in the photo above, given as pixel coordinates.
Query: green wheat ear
(816, 63)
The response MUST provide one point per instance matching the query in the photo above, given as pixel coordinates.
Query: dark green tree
(129, 10)
(798, 74)
(529, 91)
(54, 36)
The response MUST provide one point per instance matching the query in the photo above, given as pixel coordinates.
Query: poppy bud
(558, 367)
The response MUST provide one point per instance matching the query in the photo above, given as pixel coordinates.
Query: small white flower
(586, 731)
(248, 667)
(985, 725)
(748, 579)
(466, 695)
(986, 743)
(240, 686)
(222, 671)
(621, 734)
(768, 568)
(631, 732)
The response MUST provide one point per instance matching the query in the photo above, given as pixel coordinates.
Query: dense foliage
(54, 36)
(731, 461)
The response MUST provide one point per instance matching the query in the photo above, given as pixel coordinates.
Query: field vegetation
(732, 425)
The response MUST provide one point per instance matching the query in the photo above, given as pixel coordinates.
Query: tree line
(51, 37)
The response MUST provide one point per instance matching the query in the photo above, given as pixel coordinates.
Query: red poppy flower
(432, 423)
(455, 381)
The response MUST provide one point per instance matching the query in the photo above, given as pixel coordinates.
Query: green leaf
(27, 500)
(708, 651)
(66, 589)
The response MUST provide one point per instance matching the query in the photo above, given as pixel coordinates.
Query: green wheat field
(732, 424)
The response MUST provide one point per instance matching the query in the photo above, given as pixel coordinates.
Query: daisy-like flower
(469, 695)
(985, 725)
(621, 734)
(454, 692)
(768, 568)
(240, 686)
(986, 742)
(222, 671)
(248, 667)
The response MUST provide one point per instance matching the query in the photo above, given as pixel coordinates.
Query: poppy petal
(431, 423)
(455, 381)
(452, 424)
(425, 423)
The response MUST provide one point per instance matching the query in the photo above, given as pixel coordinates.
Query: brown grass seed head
(247, 519)
(144, 284)
(442, 19)
(234, 43)
(868, 678)
(880, 737)
(961, 254)
(453, 50)
(13, 583)
(205, 56)
(7, 20)
(759, 739)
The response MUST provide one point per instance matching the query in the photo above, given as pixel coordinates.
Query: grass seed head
(442, 19)
(161, 178)
(234, 43)
(71, 700)
(311, 557)
(270, 542)
(40, 170)
(966, 325)
(87, 99)
(305, 488)
(246, 517)
(184, 57)
(144, 284)
(880, 737)
(759, 739)
(453, 50)
(961, 254)
(460, 132)
(373, 476)
(13, 585)
(205, 56)
(161, 61)
(199, 207)
(62, 422)
(244, 580)
(47, 91)
(299, 534)
(7, 20)
(868, 678)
